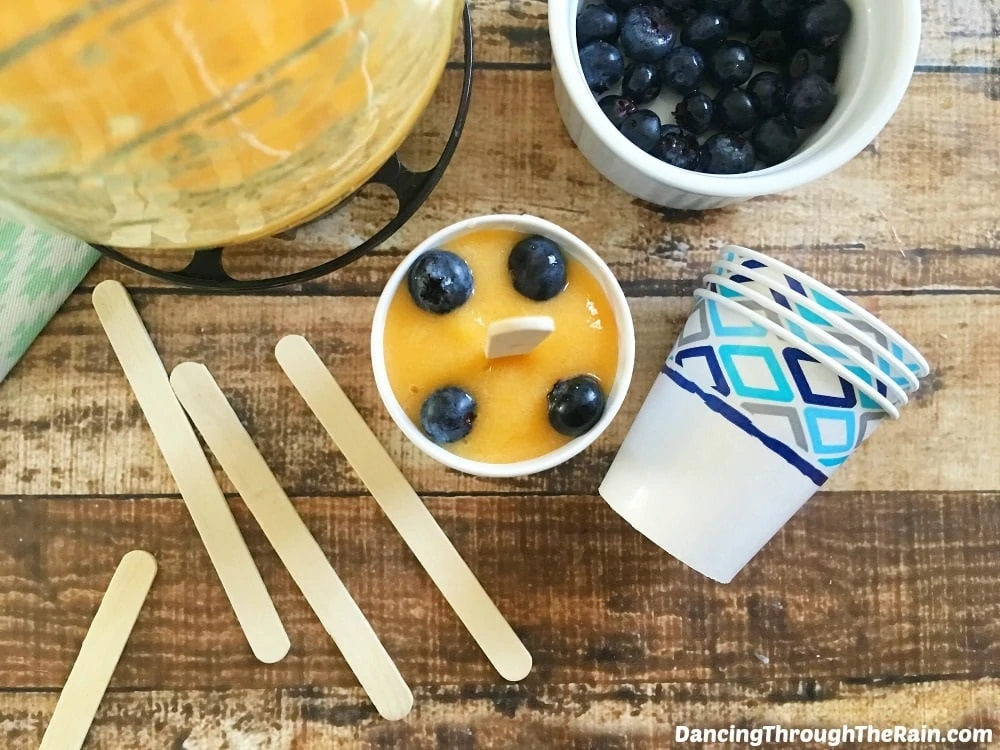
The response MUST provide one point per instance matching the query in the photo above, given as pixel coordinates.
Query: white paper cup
(741, 427)
(846, 355)
(831, 371)
(831, 301)
(848, 335)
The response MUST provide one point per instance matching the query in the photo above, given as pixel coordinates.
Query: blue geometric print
(783, 395)
(748, 329)
(846, 399)
(779, 390)
(820, 421)
(902, 359)
(711, 361)
(745, 423)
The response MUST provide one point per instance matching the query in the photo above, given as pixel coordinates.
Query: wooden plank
(899, 216)
(461, 717)
(961, 32)
(859, 586)
(69, 424)
(956, 32)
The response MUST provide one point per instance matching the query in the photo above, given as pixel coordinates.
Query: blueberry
(805, 61)
(743, 16)
(647, 33)
(809, 101)
(705, 31)
(726, 153)
(576, 405)
(677, 148)
(642, 128)
(731, 64)
(641, 83)
(694, 112)
(681, 10)
(447, 414)
(734, 110)
(720, 7)
(821, 24)
(776, 14)
(537, 268)
(623, 6)
(617, 108)
(602, 65)
(770, 47)
(440, 281)
(596, 22)
(774, 140)
(682, 69)
(768, 93)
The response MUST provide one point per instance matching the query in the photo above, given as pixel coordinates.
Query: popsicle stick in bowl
(513, 336)
(190, 469)
(102, 648)
(213, 415)
(403, 507)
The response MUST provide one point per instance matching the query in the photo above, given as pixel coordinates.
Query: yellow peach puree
(424, 351)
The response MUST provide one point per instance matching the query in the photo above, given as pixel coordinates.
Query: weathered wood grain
(859, 586)
(902, 215)
(461, 717)
(70, 425)
(955, 32)
(878, 603)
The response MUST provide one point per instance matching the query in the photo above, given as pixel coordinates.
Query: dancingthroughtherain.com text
(829, 736)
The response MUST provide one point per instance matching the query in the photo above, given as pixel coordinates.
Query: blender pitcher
(191, 124)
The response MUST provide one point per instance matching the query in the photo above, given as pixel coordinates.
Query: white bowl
(876, 65)
(574, 248)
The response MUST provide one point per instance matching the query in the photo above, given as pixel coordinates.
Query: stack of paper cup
(775, 380)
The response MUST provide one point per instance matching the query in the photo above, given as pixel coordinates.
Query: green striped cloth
(38, 270)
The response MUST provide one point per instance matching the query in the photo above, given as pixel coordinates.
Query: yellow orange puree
(424, 351)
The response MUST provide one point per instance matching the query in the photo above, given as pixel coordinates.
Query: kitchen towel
(38, 270)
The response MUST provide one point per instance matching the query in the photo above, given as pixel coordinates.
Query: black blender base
(206, 270)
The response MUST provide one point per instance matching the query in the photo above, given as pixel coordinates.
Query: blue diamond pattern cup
(853, 355)
(745, 422)
(824, 307)
(896, 366)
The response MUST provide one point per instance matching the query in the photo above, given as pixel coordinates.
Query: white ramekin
(578, 251)
(877, 63)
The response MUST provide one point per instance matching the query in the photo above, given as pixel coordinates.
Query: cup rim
(882, 402)
(578, 250)
(778, 178)
(835, 321)
(901, 398)
(851, 306)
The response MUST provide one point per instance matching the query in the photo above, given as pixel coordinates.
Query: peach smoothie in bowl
(502, 345)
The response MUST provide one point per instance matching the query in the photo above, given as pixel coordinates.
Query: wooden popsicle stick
(512, 336)
(403, 507)
(192, 473)
(213, 415)
(102, 648)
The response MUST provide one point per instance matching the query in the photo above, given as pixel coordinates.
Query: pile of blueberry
(440, 282)
(751, 74)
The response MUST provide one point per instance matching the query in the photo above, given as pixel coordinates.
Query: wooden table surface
(878, 603)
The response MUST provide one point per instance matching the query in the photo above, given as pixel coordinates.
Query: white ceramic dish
(877, 63)
(575, 249)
